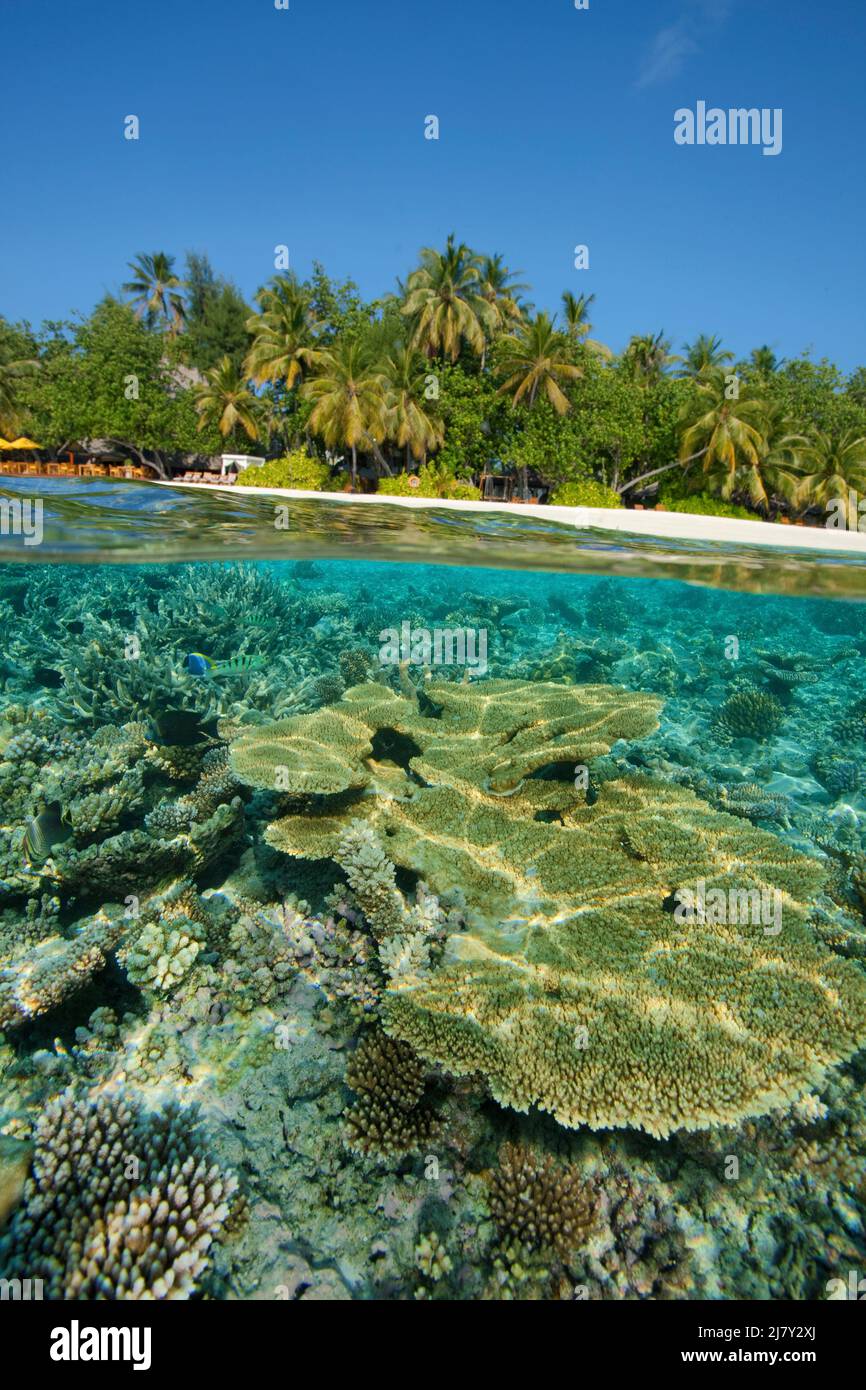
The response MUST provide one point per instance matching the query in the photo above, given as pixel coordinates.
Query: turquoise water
(478, 914)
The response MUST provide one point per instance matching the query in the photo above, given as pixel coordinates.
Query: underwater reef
(386, 975)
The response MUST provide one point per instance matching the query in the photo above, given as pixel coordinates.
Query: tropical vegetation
(451, 378)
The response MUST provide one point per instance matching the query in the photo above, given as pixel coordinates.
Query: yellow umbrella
(22, 442)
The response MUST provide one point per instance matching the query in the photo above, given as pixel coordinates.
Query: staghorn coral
(122, 1202)
(390, 1115)
(753, 802)
(263, 956)
(328, 688)
(355, 663)
(405, 956)
(838, 774)
(750, 714)
(372, 878)
(538, 1205)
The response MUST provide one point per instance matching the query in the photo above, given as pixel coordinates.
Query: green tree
(576, 311)
(283, 346)
(110, 378)
(409, 420)
(764, 362)
(647, 357)
(337, 308)
(537, 361)
(705, 352)
(348, 401)
(478, 423)
(156, 291)
(445, 304)
(19, 361)
(832, 465)
(225, 402)
(723, 426)
(215, 317)
(817, 396)
(501, 292)
(773, 474)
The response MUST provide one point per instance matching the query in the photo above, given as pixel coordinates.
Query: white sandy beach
(676, 526)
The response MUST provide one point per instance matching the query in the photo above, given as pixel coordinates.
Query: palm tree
(155, 290)
(726, 431)
(225, 400)
(578, 326)
(283, 342)
(647, 357)
(836, 465)
(502, 294)
(764, 361)
(348, 400)
(408, 421)
(779, 459)
(12, 373)
(706, 351)
(445, 301)
(534, 360)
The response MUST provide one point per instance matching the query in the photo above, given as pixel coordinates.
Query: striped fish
(199, 665)
(43, 832)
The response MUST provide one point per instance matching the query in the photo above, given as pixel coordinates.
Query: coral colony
(468, 967)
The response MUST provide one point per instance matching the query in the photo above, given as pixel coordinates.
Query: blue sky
(306, 127)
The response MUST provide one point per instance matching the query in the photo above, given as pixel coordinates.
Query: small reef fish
(199, 665)
(43, 832)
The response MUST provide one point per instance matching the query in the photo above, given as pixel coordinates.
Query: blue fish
(197, 664)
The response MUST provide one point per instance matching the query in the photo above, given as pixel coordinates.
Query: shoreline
(649, 524)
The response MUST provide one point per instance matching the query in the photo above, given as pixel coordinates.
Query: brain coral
(576, 988)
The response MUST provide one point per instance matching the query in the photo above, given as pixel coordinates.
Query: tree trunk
(354, 467)
(680, 463)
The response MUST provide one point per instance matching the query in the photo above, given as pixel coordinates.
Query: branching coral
(372, 878)
(390, 1115)
(169, 937)
(34, 979)
(122, 1202)
(750, 714)
(538, 1205)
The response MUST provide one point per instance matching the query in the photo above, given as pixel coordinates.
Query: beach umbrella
(22, 442)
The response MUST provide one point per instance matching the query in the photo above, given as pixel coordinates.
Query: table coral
(576, 988)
